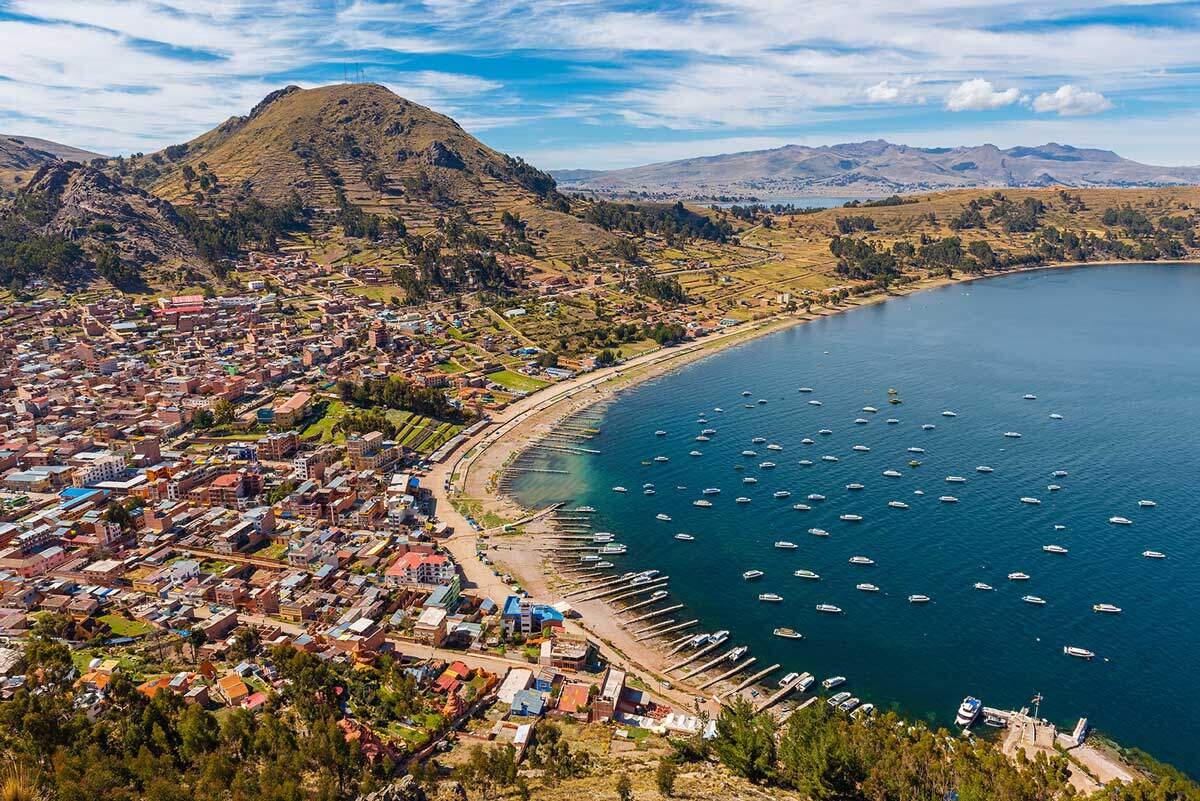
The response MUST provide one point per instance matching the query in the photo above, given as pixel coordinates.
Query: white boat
(718, 636)
(758, 440)
(1147, 504)
(1120, 521)
(1030, 397)
(1054, 549)
(742, 499)
(647, 486)
(718, 409)
(833, 681)
(750, 575)
(1030, 501)
(746, 393)
(749, 480)
(1018, 576)
(589, 558)
(708, 432)
(818, 532)
(762, 401)
(829, 609)
(898, 504)
(983, 468)
(948, 499)
(710, 491)
(684, 537)
(829, 458)
(1056, 416)
(814, 403)
(583, 509)
(851, 518)
(805, 389)
(849, 704)
(703, 504)
(663, 517)
(807, 441)
(864, 711)
(1053, 487)
(660, 433)
(955, 480)
(825, 431)
(861, 560)
(1109, 609)
(766, 465)
(891, 421)
(979, 585)
(837, 699)
(806, 574)
(602, 565)
(801, 507)
(737, 653)
(1154, 554)
(1059, 474)
(695, 453)
(916, 450)
(805, 462)
(788, 634)
(749, 453)
(774, 447)
(806, 681)
(860, 448)
(854, 486)
(968, 711)
(789, 678)
(918, 599)
(816, 497)
(1033, 599)
(602, 536)
(918, 492)
(782, 494)
(1059, 527)
(785, 545)
(949, 413)
(892, 473)
(620, 489)
(612, 549)
(648, 492)
(928, 427)
(860, 421)
(869, 409)
(866, 587)
(662, 459)
(1012, 434)
(1074, 650)
(770, 597)
(702, 438)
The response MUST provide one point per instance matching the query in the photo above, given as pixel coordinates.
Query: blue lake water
(1114, 350)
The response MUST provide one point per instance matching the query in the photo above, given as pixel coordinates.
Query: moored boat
(788, 634)
(979, 585)
(1076, 651)
(703, 504)
(806, 574)
(1030, 501)
(918, 599)
(948, 499)
(782, 494)
(784, 545)
(865, 587)
(861, 560)
(741, 499)
(619, 489)
(1110, 609)
(1154, 554)
(818, 532)
(1120, 521)
(983, 468)
(968, 711)
(770, 597)
(684, 537)
(1033, 599)
(897, 504)
(849, 518)
(829, 609)
(1054, 548)
(833, 681)
(752, 574)
(1018, 576)
(663, 517)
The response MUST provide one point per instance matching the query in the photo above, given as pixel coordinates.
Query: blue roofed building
(524, 616)
(529, 703)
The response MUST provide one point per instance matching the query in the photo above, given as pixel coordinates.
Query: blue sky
(579, 83)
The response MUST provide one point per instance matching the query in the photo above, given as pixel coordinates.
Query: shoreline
(525, 424)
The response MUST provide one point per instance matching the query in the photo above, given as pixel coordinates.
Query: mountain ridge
(21, 156)
(877, 165)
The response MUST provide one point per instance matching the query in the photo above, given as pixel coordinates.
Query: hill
(361, 146)
(70, 222)
(880, 167)
(20, 157)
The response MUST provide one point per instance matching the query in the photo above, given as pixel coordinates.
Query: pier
(576, 449)
(612, 595)
(655, 613)
(710, 647)
(659, 629)
(741, 665)
(707, 665)
(655, 598)
(783, 692)
(747, 682)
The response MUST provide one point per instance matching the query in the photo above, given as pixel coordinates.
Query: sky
(580, 83)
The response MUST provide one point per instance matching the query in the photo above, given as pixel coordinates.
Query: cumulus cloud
(888, 91)
(979, 94)
(1071, 101)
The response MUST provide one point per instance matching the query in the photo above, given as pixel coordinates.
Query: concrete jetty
(654, 598)
(659, 629)
(747, 682)
(697, 670)
(710, 647)
(655, 613)
(741, 665)
(778, 696)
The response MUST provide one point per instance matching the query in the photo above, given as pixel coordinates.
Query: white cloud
(979, 94)
(1071, 101)
(894, 91)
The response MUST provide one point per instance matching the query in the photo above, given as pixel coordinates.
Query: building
(518, 679)
(431, 627)
(420, 568)
(611, 688)
(565, 653)
(292, 410)
(525, 617)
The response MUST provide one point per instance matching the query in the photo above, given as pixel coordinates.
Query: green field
(517, 381)
(322, 428)
(124, 627)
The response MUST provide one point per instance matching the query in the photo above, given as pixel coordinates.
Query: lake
(1114, 350)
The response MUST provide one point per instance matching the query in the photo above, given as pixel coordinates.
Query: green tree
(745, 742)
(624, 788)
(664, 777)
(223, 412)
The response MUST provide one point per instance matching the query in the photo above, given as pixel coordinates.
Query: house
(574, 698)
(611, 687)
(420, 568)
(524, 616)
(528, 703)
(565, 653)
(232, 689)
(518, 679)
(431, 626)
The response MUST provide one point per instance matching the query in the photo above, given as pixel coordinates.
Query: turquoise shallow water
(1115, 350)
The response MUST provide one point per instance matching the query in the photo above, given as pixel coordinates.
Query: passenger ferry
(770, 597)
(703, 504)
(898, 504)
(861, 560)
(829, 609)
(807, 574)
(818, 532)
(1033, 599)
(918, 599)
(866, 587)
(851, 518)
(1106, 608)
(968, 711)
(784, 545)
(788, 634)
(750, 575)
(782, 494)
(1076, 651)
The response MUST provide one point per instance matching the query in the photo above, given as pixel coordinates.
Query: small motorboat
(851, 518)
(1012, 434)
(1147, 504)
(684, 537)
(898, 504)
(948, 499)
(770, 597)
(1120, 521)
(742, 499)
(1033, 599)
(703, 504)
(818, 532)
(750, 575)
(949, 413)
(1108, 609)
(807, 574)
(983, 468)
(1076, 651)
(782, 494)
(1018, 576)
(928, 427)
(801, 507)
(1030, 397)
(1056, 416)
(861, 560)
(784, 545)
(919, 599)
(660, 433)
(829, 609)
(1154, 554)
(1054, 548)
(1030, 501)
(892, 473)
(788, 634)
(866, 587)
(854, 487)
(619, 489)
(979, 585)
(749, 480)
(663, 517)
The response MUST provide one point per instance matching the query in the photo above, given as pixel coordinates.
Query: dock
(783, 692)
(711, 646)
(747, 682)
(612, 595)
(659, 629)
(707, 665)
(656, 613)
(741, 665)
(653, 599)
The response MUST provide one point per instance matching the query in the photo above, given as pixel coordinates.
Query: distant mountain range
(20, 157)
(876, 167)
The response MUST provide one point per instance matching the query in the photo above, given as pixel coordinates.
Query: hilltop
(20, 157)
(360, 146)
(877, 167)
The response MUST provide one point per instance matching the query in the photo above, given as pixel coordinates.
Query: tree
(196, 638)
(664, 777)
(624, 788)
(745, 742)
(203, 419)
(223, 412)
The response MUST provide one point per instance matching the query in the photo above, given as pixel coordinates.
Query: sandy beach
(471, 476)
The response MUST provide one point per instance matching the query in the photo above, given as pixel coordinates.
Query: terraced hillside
(361, 144)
